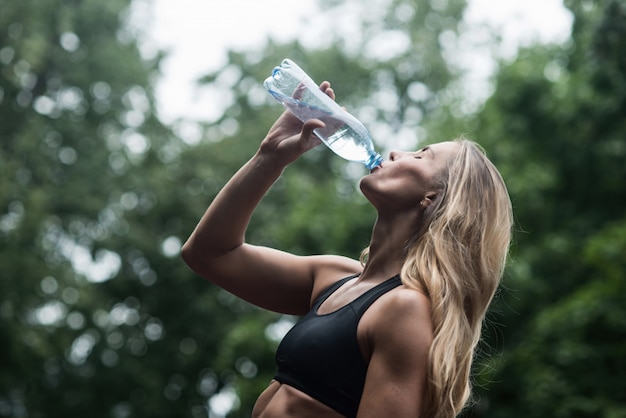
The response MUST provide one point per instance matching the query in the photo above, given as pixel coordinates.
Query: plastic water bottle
(343, 133)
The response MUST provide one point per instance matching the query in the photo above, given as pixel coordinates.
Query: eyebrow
(428, 148)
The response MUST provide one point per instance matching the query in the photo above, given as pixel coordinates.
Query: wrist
(268, 163)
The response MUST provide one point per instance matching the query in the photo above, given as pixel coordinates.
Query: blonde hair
(458, 259)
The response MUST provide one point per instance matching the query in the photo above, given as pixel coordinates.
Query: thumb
(310, 125)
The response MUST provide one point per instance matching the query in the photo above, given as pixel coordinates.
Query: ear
(428, 199)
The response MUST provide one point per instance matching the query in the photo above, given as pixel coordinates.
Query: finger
(310, 125)
(307, 137)
(299, 91)
(325, 87)
(313, 124)
(330, 93)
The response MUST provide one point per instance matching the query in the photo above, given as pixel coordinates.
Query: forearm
(223, 225)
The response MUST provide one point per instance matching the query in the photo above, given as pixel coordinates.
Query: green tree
(95, 312)
(555, 126)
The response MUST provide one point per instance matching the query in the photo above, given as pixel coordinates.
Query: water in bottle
(343, 133)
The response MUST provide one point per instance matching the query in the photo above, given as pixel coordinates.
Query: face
(408, 179)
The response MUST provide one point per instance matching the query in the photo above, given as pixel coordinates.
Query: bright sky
(198, 32)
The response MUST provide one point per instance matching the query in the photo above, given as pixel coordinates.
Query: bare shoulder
(409, 312)
(405, 301)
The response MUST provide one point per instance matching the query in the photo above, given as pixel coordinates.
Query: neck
(388, 245)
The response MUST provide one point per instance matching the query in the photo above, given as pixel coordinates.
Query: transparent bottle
(343, 133)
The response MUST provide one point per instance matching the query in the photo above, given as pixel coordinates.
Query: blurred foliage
(555, 126)
(98, 315)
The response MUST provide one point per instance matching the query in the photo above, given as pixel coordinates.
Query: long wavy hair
(458, 260)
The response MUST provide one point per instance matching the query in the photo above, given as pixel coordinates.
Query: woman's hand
(289, 138)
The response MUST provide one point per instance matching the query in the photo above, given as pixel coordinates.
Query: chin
(366, 190)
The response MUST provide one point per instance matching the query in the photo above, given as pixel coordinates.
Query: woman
(394, 334)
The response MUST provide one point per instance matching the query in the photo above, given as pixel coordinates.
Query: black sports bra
(320, 355)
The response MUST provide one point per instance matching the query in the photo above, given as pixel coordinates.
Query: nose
(394, 155)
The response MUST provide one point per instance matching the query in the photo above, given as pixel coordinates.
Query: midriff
(284, 401)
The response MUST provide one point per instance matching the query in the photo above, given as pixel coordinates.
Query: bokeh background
(106, 165)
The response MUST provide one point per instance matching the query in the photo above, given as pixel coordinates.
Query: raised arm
(217, 251)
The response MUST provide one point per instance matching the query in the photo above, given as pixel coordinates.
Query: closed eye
(421, 152)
